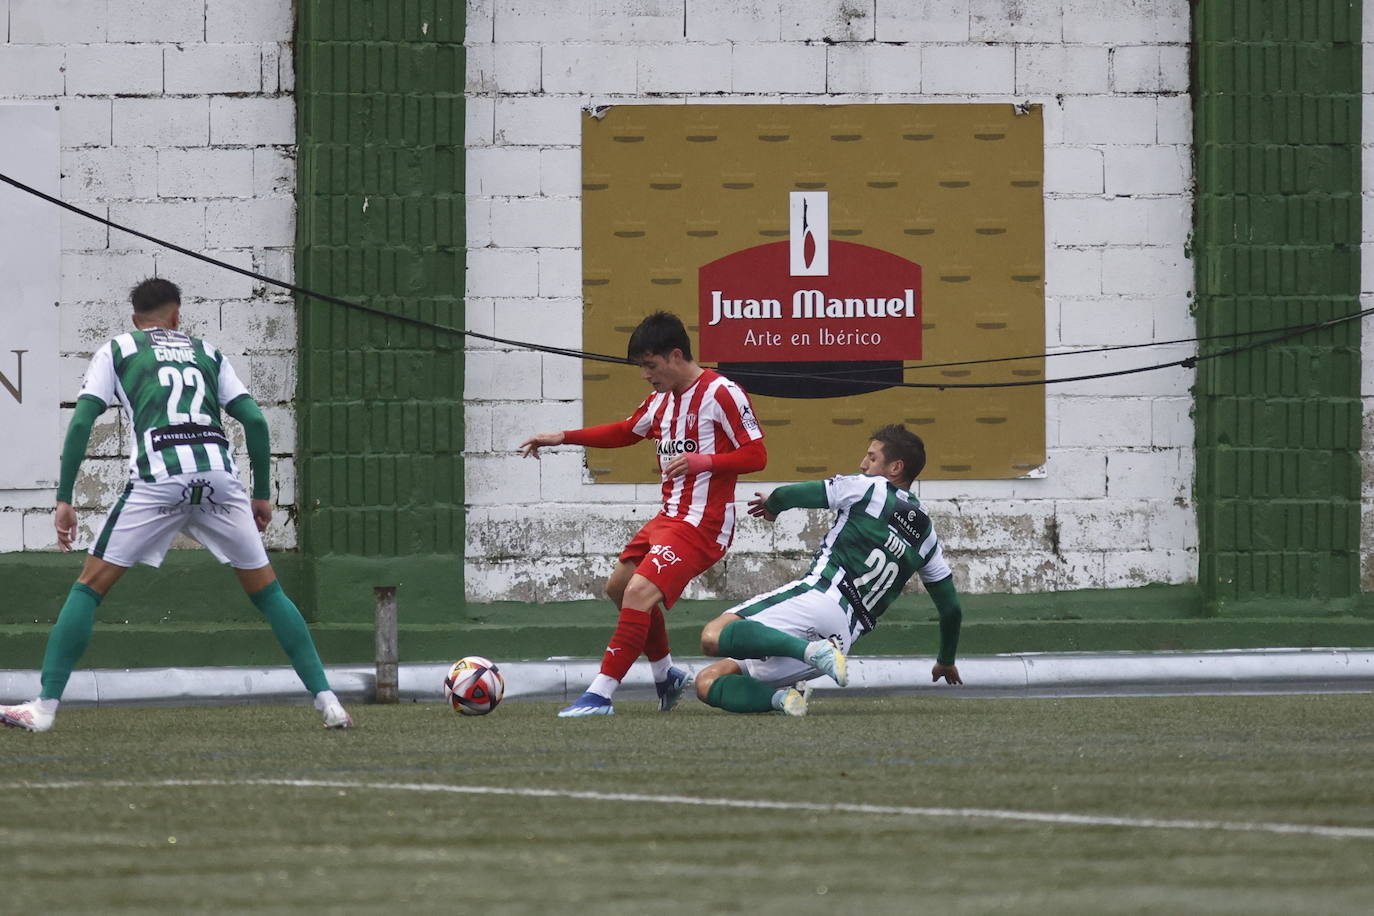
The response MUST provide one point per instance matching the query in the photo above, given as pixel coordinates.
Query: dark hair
(901, 444)
(153, 293)
(658, 335)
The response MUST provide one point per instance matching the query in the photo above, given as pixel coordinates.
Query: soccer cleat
(795, 699)
(589, 704)
(671, 688)
(825, 656)
(29, 716)
(335, 716)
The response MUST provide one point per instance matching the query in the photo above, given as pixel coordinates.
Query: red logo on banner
(867, 307)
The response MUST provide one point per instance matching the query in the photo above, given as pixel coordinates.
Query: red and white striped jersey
(713, 417)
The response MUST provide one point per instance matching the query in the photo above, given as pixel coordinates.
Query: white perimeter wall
(1115, 508)
(177, 119)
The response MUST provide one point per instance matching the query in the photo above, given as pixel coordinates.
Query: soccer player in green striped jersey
(172, 389)
(879, 540)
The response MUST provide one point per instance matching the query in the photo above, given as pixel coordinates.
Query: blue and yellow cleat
(671, 688)
(589, 704)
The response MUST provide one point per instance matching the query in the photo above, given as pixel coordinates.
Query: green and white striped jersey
(171, 387)
(879, 539)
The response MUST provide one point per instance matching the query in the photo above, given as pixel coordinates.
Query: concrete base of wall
(190, 613)
(1027, 674)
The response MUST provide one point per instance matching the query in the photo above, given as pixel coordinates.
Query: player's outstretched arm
(531, 446)
(609, 435)
(810, 495)
(946, 600)
(758, 507)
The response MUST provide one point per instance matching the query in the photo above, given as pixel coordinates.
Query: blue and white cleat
(671, 688)
(589, 704)
(825, 656)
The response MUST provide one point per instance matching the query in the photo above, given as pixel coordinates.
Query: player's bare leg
(724, 684)
(66, 644)
(670, 681)
(294, 636)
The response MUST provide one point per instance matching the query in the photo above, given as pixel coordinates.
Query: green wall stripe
(381, 220)
(1277, 243)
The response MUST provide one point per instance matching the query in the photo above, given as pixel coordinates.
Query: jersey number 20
(171, 376)
(882, 572)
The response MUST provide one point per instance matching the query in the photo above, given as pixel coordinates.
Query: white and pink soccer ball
(474, 686)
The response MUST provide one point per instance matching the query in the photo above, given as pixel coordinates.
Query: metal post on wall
(387, 687)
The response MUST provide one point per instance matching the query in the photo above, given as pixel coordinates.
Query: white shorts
(210, 506)
(806, 613)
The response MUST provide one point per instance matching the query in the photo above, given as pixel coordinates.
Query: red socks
(656, 645)
(630, 636)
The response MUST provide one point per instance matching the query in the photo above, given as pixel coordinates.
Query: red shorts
(670, 553)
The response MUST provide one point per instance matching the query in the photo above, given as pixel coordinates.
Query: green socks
(750, 639)
(738, 693)
(68, 639)
(289, 627)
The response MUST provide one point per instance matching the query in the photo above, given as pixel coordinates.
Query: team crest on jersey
(670, 448)
(691, 420)
(663, 556)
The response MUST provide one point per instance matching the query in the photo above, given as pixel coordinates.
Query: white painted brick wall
(1112, 77)
(177, 117)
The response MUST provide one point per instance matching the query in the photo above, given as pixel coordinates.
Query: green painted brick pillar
(1277, 243)
(381, 221)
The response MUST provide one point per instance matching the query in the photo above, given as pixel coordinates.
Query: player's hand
(690, 463)
(531, 446)
(759, 510)
(64, 520)
(949, 672)
(262, 513)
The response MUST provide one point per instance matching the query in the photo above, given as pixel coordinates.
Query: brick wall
(177, 119)
(1114, 508)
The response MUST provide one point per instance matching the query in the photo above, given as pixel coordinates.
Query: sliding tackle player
(879, 540)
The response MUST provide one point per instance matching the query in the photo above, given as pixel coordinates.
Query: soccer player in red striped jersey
(707, 435)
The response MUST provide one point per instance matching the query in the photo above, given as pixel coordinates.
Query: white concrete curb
(1229, 670)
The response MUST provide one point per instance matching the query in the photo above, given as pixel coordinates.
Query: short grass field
(1207, 804)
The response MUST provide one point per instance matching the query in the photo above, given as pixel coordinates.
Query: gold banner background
(955, 188)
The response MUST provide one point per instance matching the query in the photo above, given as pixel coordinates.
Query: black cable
(324, 297)
(838, 375)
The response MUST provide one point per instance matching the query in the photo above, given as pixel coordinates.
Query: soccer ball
(474, 686)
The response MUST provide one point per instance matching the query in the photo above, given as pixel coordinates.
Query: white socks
(603, 685)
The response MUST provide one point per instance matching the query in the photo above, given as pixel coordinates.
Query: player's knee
(710, 640)
(614, 590)
(703, 685)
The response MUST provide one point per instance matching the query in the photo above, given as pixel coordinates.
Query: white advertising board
(30, 264)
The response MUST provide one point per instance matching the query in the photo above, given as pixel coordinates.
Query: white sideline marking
(1000, 814)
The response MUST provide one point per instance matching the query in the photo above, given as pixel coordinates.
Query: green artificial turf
(103, 843)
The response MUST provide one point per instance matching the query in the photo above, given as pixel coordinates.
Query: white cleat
(825, 656)
(335, 716)
(29, 716)
(795, 700)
